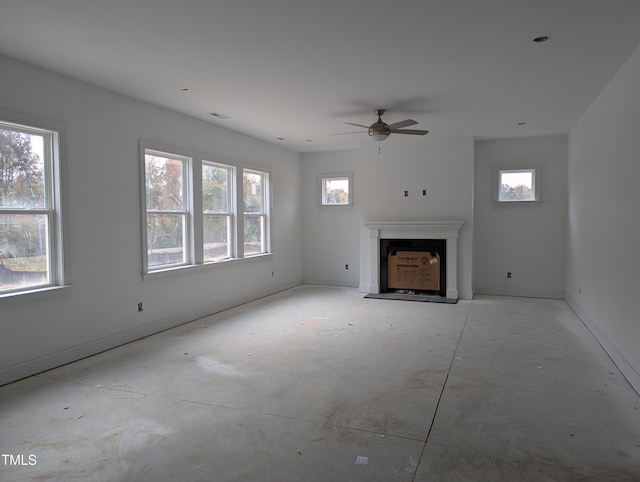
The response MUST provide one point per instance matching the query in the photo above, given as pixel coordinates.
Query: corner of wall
(632, 376)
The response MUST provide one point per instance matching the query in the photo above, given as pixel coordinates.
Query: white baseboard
(62, 357)
(330, 282)
(549, 294)
(632, 376)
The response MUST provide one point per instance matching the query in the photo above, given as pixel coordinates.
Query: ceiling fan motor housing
(379, 130)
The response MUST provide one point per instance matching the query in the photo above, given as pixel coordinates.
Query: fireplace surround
(414, 230)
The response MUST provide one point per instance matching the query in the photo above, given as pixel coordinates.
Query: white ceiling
(299, 69)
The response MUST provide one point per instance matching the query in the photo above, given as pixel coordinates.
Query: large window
(191, 209)
(30, 209)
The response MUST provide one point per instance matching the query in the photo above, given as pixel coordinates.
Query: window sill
(184, 269)
(34, 295)
(348, 205)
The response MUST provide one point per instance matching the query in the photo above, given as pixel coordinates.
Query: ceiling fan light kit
(380, 130)
(379, 134)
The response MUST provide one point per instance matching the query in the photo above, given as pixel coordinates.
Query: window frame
(323, 178)
(228, 214)
(55, 209)
(194, 245)
(535, 181)
(184, 213)
(263, 214)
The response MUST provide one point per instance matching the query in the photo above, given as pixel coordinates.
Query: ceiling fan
(380, 130)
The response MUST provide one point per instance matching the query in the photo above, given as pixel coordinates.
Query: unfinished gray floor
(320, 384)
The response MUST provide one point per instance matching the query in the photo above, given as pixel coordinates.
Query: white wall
(603, 271)
(330, 233)
(439, 163)
(100, 309)
(526, 239)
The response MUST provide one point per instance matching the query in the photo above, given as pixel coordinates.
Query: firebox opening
(415, 266)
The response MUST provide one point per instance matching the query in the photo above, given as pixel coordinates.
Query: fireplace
(413, 233)
(414, 265)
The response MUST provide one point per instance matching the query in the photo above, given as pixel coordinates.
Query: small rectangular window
(335, 190)
(255, 189)
(517, 185)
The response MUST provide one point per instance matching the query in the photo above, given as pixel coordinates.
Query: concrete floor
(320, 384)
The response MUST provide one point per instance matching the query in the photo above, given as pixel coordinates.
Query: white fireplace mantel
(447, 229)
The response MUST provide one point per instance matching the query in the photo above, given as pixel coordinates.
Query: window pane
(165, 239)
(23, 251)
(22, 170)
(253, 235)
(215, 189)
(252, 182)
(516, 186)
(163, 183)
(336, 191)
(216, 238)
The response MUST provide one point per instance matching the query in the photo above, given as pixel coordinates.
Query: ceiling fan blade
(415, 132)
(357, 125)
(404, 123)
(343, 133)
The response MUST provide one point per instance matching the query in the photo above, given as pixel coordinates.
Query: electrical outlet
(272, 274)
(140, 306)
(424, 192)
(346, 266)
(406, 194)
(508, 274)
